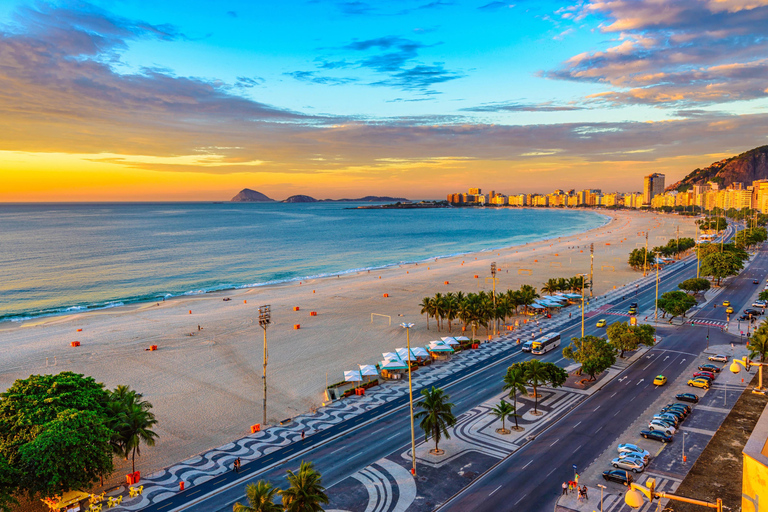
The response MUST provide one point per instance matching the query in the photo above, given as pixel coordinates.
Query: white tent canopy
(353, 376)
(419, 352)
(461, 338)
(393, 365)
(391, 356)
(439, 347)
(446, 338)
(450, 341)
(403, 354)
(368, 370)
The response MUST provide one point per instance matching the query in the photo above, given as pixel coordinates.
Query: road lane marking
(577, 448)
(344, 448)
(556, 440)
(194, 492)
(390, 437)
(553, 470)
(576, 425)
(613, 395)
(598, 430)
(617, 412)
(493, 491)
(596, 408)
(529, 463)
(523, 496)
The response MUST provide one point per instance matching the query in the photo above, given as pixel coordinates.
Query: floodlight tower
(265, 318)
(493, 278)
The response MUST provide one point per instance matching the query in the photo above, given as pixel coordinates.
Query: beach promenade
(205, 383)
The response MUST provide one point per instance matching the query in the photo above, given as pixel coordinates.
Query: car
(678, 414)
(636, 455)
(744, 318)
(707, 374)
(753, 312)
(699, 383)
(632, 311)
(686, 409)
(665, 427)
(600, 323)
(687, 397)
(633, 465)
(660, 380)
(729, 310)
(706, 367)
(619, 476)
(726, 303)
(667, 417)
(628, 447)
(759, 304)
(708, 379)
(755, 281)
(656, 435)
(633, 305)
(720, 358)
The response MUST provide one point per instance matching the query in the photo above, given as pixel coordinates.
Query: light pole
(684, 434)
(407, 328)
(493, 276)
(634, 497)
(602, 488)
(697, 251)
(656, 311)
(645, 255)
(582, 306)
(265, 318)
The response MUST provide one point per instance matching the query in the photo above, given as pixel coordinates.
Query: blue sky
(292, 93)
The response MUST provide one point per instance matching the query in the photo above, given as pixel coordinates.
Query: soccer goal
(555, 264)
(525, 271)
(607, 267)
(389, 318)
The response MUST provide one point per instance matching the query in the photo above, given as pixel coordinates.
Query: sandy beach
(206, 384)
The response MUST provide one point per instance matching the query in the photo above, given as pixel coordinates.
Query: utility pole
(407, 327)
(677, 247)
(582, 308)
(697, 250)
(265, 318)
(591, 266)
(645, 255)
(493, 276)
(656, 312)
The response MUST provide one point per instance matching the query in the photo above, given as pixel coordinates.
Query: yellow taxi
(600, 323)
(729, 310)
(726, 303)
(699, 383)
(660, 380)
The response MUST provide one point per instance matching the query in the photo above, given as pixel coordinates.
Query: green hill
(745, 168)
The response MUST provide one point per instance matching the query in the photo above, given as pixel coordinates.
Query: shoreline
(111, 304)
(205, 385)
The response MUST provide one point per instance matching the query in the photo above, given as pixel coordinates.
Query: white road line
(598, 430)
(596, 408)
(493, 491)
(617, 412)
(553, 470)
(529, 463)
(523, 496)
(556, 440)
(613, 395)
(576, 425)
(390, 437)
(342, 448)
(577, 448)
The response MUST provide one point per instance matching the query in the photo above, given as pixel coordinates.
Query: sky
(193, 100)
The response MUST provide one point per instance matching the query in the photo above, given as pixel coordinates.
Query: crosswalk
(614, 503)
(708, 322)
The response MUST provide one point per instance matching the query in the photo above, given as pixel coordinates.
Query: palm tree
(503, 308)
(427, 308)
(439, 308)
(502, 411)
(758, 344)
(261, 498)
(562, 284)
(450, 308)
(469, 311)
(513, 296)
(550, 286)
(436, 417)
(536, 376)
(131, 419)
(515, 382)
(306, 492)
(528, 295)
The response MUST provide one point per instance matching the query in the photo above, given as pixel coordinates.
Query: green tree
(639, 257)
(436, 416)
(261, 498)
(8, 484)
(550, 286)
(515, 381)
(503, 411)
(758, 344)
(763, 295)
(42, 415)
(694, 285)
(427, 308)
(676, 303)
(720, 265)
(625, 337)
(306, 492)
(528, 296)
(134, 427)
(595, 354)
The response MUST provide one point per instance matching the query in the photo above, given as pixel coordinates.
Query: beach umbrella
(390, 356)
(462, 338)
(393, 365)
(368, 370)
(446, 338)
(403, 354)
(439, 347)
(450, 341)
(419, 352)
(353, 376)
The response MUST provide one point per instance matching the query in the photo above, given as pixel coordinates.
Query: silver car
(627, 447)
(669, 418)
(663, 426)
(645, 459)
(628, 464)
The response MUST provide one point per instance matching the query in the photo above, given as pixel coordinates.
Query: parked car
(628, 447)
(619, 476)
(720, 358)
(744, 318)
(667, 418)
(633, 305)
(707, 367)
(636, 455)
(656, 435)
(753, 312)
(664, 426)
(699, 382)
(759, 304)
(687, 397)
(660, 380)
(677, 405)
(755, 281)
(630, 464)
(600, 323)
(708, 379)
(710, 375)
(678, 414)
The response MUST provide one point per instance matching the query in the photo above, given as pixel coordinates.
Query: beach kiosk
(439, 351)
(68, 502)
(392, 369)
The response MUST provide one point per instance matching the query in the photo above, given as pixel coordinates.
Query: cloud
(356, 8)
(248, 82)
(681, 54)
(313, 78)
(232, 14)
(546, 106)
(493, 6)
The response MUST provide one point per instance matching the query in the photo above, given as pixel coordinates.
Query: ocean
(66, 258)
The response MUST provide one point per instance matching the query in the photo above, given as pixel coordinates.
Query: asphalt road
(343, 449)
(530, 479)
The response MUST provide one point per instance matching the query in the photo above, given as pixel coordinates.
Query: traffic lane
(576, 439)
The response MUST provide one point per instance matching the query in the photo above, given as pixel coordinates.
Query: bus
(546, 343)
(527, 346)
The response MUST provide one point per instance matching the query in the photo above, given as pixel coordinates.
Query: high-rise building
(475, 191)
(653, 184)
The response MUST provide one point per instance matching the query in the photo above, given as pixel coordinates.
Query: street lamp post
(656, 312)
(602, 488)
(634, 497)
(265, 318)
(407, 328)
(493, 276)
(582, 305)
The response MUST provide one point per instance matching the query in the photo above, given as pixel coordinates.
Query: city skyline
(143, 101)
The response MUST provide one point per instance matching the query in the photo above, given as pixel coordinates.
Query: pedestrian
(238, 464)
(580, 496)
(570, 315)
(235, 468)
(302, 435)
(586, 496)
(565, 488)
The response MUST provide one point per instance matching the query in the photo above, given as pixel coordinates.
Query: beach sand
(206, 385)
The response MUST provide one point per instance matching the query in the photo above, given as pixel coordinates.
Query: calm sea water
(59, 258)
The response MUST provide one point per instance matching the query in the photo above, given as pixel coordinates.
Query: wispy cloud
(313, 78)
(547, 106)
(493, 6)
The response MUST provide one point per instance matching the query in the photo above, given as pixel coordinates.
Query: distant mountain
(745, 168)
(300, 199)
(250, 196)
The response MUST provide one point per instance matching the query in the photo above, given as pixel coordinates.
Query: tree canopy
(675, 303)
(639, 257)
(595, 354)
(694, 285)
(720, 265)
(625, 337)
(750, 237)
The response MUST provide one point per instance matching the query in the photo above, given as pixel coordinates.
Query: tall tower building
(653, 184)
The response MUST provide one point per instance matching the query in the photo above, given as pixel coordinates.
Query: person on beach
(565, 488)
